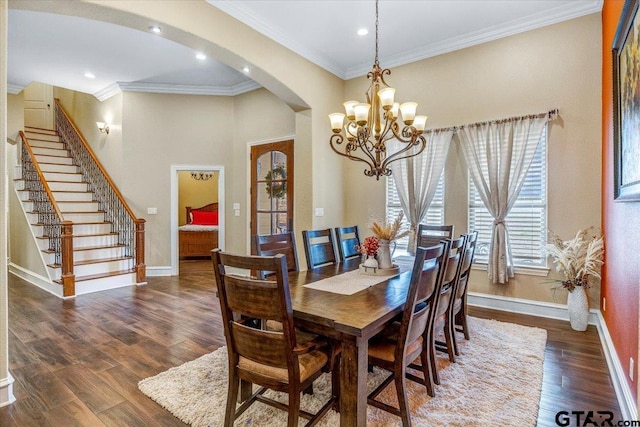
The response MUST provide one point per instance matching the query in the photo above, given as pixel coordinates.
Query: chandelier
(201, 176)
(372, 123)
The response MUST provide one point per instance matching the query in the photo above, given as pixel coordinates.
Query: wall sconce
(103, 127)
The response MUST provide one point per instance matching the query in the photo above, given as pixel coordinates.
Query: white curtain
(498, 155)
(416, 178)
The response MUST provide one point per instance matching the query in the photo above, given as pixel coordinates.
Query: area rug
(496, 380)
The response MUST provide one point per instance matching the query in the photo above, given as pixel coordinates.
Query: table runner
(348, 283)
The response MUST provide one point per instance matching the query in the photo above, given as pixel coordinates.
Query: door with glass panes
(272, 188)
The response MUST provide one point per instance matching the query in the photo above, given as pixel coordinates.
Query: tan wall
(15, 116)
(194, 193)
(556, 66)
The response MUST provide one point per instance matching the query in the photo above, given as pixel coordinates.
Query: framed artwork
(626, 104)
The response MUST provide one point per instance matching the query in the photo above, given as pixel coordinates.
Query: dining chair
(286, 361)
(319, 247)
(272, 244)
(448, 279)
(394, 352)
(458, 318)
(429, 235)
(348, 238)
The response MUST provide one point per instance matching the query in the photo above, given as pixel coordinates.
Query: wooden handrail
(25, 141)
(98, 164)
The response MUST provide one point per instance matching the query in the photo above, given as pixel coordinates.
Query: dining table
(351, 319)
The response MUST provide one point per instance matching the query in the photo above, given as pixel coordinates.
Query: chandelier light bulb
(337, 120)
(419, 123)
(386, 97)
(349, 109)
(394, 110)
(408, 110)
(362, 113)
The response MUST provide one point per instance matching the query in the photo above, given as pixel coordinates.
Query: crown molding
(14, 89)
(189, 89)
(107, 92)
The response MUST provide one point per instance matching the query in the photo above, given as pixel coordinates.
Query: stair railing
(129, 228)
(58, 231)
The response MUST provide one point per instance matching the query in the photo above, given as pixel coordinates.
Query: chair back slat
(467, 262)
(266, 347)
(266, 303)
(319, 247)
(430, 235)
(348, 238)
(273, 244)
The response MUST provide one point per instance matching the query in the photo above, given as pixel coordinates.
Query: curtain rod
(551, 115)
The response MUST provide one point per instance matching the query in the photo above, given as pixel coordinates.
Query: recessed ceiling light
(155, 29)
(201, 56)
(246, 69)
(89, 75)
(363, 32)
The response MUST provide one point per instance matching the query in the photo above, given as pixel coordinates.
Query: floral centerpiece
(369, 248)
(387, 232)
(579, 260)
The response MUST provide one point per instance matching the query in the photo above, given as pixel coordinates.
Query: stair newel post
(141, 269)
(68, 278)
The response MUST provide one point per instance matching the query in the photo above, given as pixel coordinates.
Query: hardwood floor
(78, 362)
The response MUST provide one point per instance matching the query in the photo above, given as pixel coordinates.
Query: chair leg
(449, 337)
(432, 358)
(232, 396)
(294, 407)
(335, 384)
(426, 371)
(403, 406)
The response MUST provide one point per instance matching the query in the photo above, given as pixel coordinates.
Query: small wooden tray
(379, 271)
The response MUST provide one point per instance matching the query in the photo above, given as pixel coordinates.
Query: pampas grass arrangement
(578, 259)
(388, 231)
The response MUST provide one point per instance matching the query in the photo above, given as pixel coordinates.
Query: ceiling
(60, 49)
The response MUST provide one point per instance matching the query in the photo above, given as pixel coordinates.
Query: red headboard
(211, 207)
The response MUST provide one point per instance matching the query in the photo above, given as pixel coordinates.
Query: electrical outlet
(631, 368)
(604, 304)
(152, 211)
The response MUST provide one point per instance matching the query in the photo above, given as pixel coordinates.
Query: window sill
(527, 271)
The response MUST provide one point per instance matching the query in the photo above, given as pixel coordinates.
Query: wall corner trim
(628, 406)
(6, 391)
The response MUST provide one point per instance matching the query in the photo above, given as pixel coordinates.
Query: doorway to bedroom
(197, 217)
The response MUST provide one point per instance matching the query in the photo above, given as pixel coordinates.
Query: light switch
(236, 212)
(152, 211)
(236, 206)
(319, 211)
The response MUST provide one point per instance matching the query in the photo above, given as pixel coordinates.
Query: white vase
(384, 253)
(370, 262)
(578, 306)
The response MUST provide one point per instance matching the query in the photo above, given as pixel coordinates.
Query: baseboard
(6, 391)
(160, 271)
(35, 279)
(627, 403)
(628, 406)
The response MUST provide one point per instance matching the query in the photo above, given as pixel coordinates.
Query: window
(435, 213)
(527, 220)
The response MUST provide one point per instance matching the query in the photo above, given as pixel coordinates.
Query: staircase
(99, 260)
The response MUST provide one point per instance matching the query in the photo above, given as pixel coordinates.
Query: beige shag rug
(496, 380)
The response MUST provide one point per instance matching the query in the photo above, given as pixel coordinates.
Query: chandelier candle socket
(374, 122)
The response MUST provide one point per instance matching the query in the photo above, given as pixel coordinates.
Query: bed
(200, 235)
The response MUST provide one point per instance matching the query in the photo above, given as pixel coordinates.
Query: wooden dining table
(351, 320)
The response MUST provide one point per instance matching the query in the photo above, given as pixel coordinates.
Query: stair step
(46, 144)
(89, 254)
(95, 267)
(73, 206)
(101, 276)
(59, 167)
(36, 136)
(64, 177)
(41, 131)
(60, 160)
(72, 196)
(68, 186)
(79, 229)
(84, 216)
(55, 152)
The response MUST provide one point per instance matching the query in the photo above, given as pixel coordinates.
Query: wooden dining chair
(273, 244)
(448, 280)
(286, 361)
(394, 352)
(348, 238)
(458, 314)
(319, 247)
(429, 235)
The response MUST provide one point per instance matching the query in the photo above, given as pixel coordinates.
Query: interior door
(272, 188)
(38, 106)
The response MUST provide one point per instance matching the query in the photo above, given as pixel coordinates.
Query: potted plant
(579, 260)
